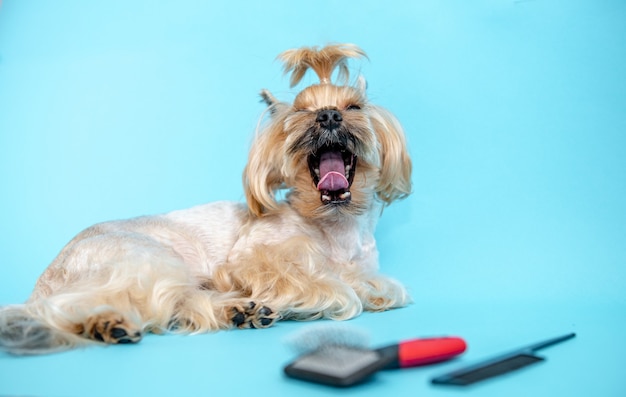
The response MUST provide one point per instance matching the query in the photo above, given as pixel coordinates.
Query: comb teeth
(498, 365)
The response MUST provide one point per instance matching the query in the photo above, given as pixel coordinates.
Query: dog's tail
(24, 331)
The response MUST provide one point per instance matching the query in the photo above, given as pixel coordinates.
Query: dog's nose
(329, 119)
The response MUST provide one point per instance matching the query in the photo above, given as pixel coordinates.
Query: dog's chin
(332, 169)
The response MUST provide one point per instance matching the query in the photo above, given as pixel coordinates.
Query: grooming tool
(422, 351)
(498, 365)
(340, 366)
(333, 357)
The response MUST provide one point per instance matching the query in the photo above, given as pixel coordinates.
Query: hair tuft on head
(323, 61)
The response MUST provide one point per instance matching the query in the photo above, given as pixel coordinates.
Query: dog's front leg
(379, 293)
(292, 284)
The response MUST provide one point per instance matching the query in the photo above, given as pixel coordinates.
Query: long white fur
(199, 269)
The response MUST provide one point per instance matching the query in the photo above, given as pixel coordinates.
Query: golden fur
(338, 158)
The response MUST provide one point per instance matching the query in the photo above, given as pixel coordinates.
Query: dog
(335, 159)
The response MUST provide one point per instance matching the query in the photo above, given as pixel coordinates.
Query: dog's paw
(111, 328)
(253, 315)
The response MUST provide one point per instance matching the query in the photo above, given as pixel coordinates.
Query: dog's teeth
(317, 172)
(348, 168)
(344, 195)
(325, 197)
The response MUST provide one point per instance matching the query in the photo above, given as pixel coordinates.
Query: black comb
(498, 365)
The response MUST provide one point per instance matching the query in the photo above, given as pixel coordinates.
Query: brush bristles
(317, 337)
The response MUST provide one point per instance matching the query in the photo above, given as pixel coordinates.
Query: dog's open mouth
(332, 170)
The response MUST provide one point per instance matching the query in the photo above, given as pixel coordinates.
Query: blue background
(515, 113)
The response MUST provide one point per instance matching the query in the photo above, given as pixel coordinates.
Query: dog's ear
(274, 106)
(361, 85)
(262, 176)
(396, 167)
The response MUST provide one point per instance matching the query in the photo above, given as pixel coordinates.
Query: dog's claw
(265, 311)
(118, 333)
(111, 328)
(239, 318)
(253, 316)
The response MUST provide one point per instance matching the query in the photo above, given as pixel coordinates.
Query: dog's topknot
(323, 61)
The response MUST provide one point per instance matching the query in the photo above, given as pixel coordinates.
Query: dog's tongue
(332, 172)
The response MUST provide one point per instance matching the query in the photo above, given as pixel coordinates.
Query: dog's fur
(225, 265)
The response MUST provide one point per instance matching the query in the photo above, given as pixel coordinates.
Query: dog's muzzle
(332, 169)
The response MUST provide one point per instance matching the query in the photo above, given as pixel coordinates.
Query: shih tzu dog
(338, 160)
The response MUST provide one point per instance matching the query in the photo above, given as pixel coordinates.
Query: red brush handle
(428, 351)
